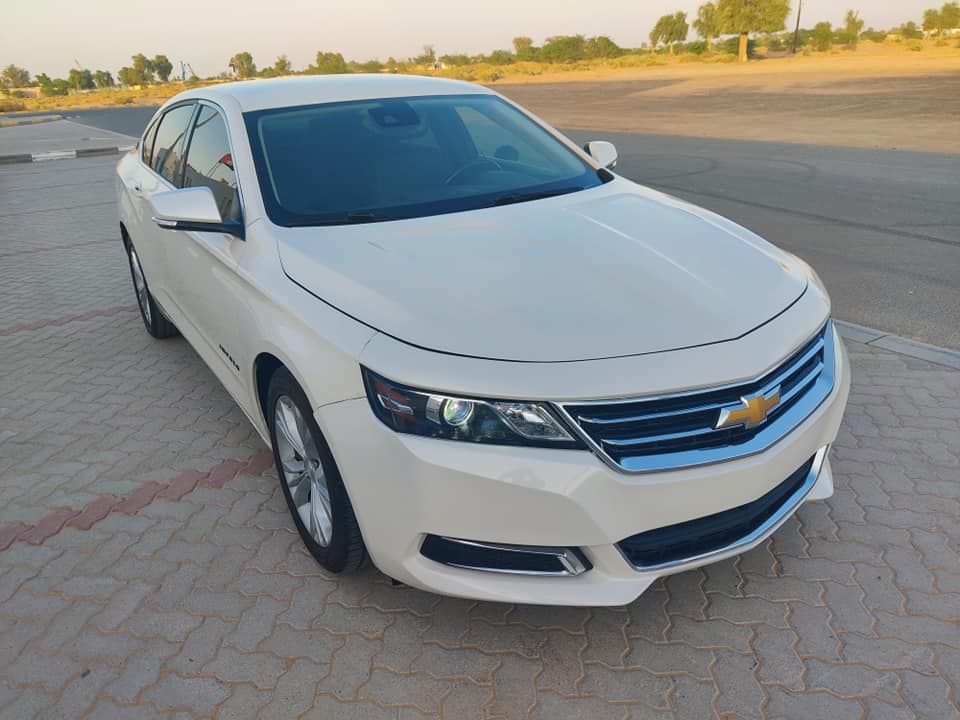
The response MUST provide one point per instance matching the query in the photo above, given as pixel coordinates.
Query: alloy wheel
(302, 471)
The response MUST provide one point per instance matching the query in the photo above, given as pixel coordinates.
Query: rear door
(158, 171)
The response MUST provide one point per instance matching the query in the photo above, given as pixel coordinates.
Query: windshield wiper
(511, 198)
(354, 218)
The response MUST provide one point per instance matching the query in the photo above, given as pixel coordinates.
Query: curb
(64, 154)
(900, 345)
(14, 122)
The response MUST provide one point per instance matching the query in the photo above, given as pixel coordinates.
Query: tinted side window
(168, 144)
(146, 146)
(210, 163)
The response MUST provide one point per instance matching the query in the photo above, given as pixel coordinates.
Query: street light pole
(796, 30)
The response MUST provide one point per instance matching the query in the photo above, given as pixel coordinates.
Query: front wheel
(154, 320)
(311, 482)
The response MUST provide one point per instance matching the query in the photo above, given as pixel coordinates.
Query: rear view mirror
(603, 152)
(191, 209)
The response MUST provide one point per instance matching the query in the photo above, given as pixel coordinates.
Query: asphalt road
(882, 228)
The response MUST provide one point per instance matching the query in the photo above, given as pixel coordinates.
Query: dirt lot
(889, 101)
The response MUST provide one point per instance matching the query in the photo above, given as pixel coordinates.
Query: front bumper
(405, 487)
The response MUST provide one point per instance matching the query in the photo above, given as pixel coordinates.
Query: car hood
(612, 271)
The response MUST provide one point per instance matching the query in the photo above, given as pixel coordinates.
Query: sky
(49, 36)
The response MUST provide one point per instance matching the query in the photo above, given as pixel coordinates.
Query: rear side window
(169, 142)
(146, 146)
(210, 162)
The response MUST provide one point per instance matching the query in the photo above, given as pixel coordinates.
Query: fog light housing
(505, 558)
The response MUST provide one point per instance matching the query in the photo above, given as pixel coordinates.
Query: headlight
(438, 415)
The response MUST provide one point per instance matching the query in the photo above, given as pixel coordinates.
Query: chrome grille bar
(669, 432)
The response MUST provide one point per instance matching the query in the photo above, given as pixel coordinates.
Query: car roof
(314, 89)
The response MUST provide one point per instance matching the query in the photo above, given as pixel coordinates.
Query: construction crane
(184, 66)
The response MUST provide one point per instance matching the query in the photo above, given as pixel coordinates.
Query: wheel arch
(264, 367)
(265, 364)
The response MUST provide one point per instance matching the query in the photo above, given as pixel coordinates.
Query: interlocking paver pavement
(149, 568)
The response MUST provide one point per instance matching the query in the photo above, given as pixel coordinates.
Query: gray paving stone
(209, 603)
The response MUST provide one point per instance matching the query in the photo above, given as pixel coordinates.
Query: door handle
(137, 190)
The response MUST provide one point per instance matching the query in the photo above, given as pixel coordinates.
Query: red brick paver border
(100, 508)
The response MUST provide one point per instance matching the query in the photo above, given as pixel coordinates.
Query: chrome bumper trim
(760, 533)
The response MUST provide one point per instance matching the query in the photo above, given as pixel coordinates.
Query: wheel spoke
(302, 471)
(292, 466)
(300, 490)
(320, 511)
(287, 425)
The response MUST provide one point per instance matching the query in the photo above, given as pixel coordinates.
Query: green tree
(427, 57)
(910, 31)
(103, 78)
(563, 48)
(670, 29)
(128, 76)
(329, 63)
(162, 66)
(822, 36)
(370, 66)
(80, 79)
(602, 47)
(659, 31)
(707, 23)
(950, 15)
(524, 49)
(242, 65)
(931, 20)
(852, 25)
(143, 69)
(679, 29)
(282, 66)
(14, 77)
(50, 86)
(742, 17)
(456, 59)
(499, 57)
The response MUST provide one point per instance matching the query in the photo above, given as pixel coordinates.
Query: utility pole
(796, 30)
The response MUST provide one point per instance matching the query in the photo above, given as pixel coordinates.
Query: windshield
(378, 160)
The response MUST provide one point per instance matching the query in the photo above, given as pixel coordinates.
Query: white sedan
(484, 361)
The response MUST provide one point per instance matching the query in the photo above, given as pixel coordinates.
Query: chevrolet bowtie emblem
(750, 411)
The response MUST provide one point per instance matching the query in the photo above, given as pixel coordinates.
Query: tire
(311, 482)
(153, 318)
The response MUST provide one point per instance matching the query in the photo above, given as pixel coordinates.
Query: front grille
(694, 539)
(680, 430)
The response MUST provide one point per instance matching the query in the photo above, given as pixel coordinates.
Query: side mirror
(603, 152)
(191, 209)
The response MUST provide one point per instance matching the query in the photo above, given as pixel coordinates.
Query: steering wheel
(478, 162)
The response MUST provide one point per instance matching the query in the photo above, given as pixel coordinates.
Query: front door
(206, 285)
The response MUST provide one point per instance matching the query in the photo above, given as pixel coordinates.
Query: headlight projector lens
(457, 412)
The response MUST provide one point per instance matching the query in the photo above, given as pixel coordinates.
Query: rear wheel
(154, 320)
(311, 482)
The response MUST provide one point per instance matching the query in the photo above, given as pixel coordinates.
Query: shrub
(822, 37)
(11, 106)
(123, 101)
(915, 45)
(698, 47)
(732, 45)
(775, 43)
